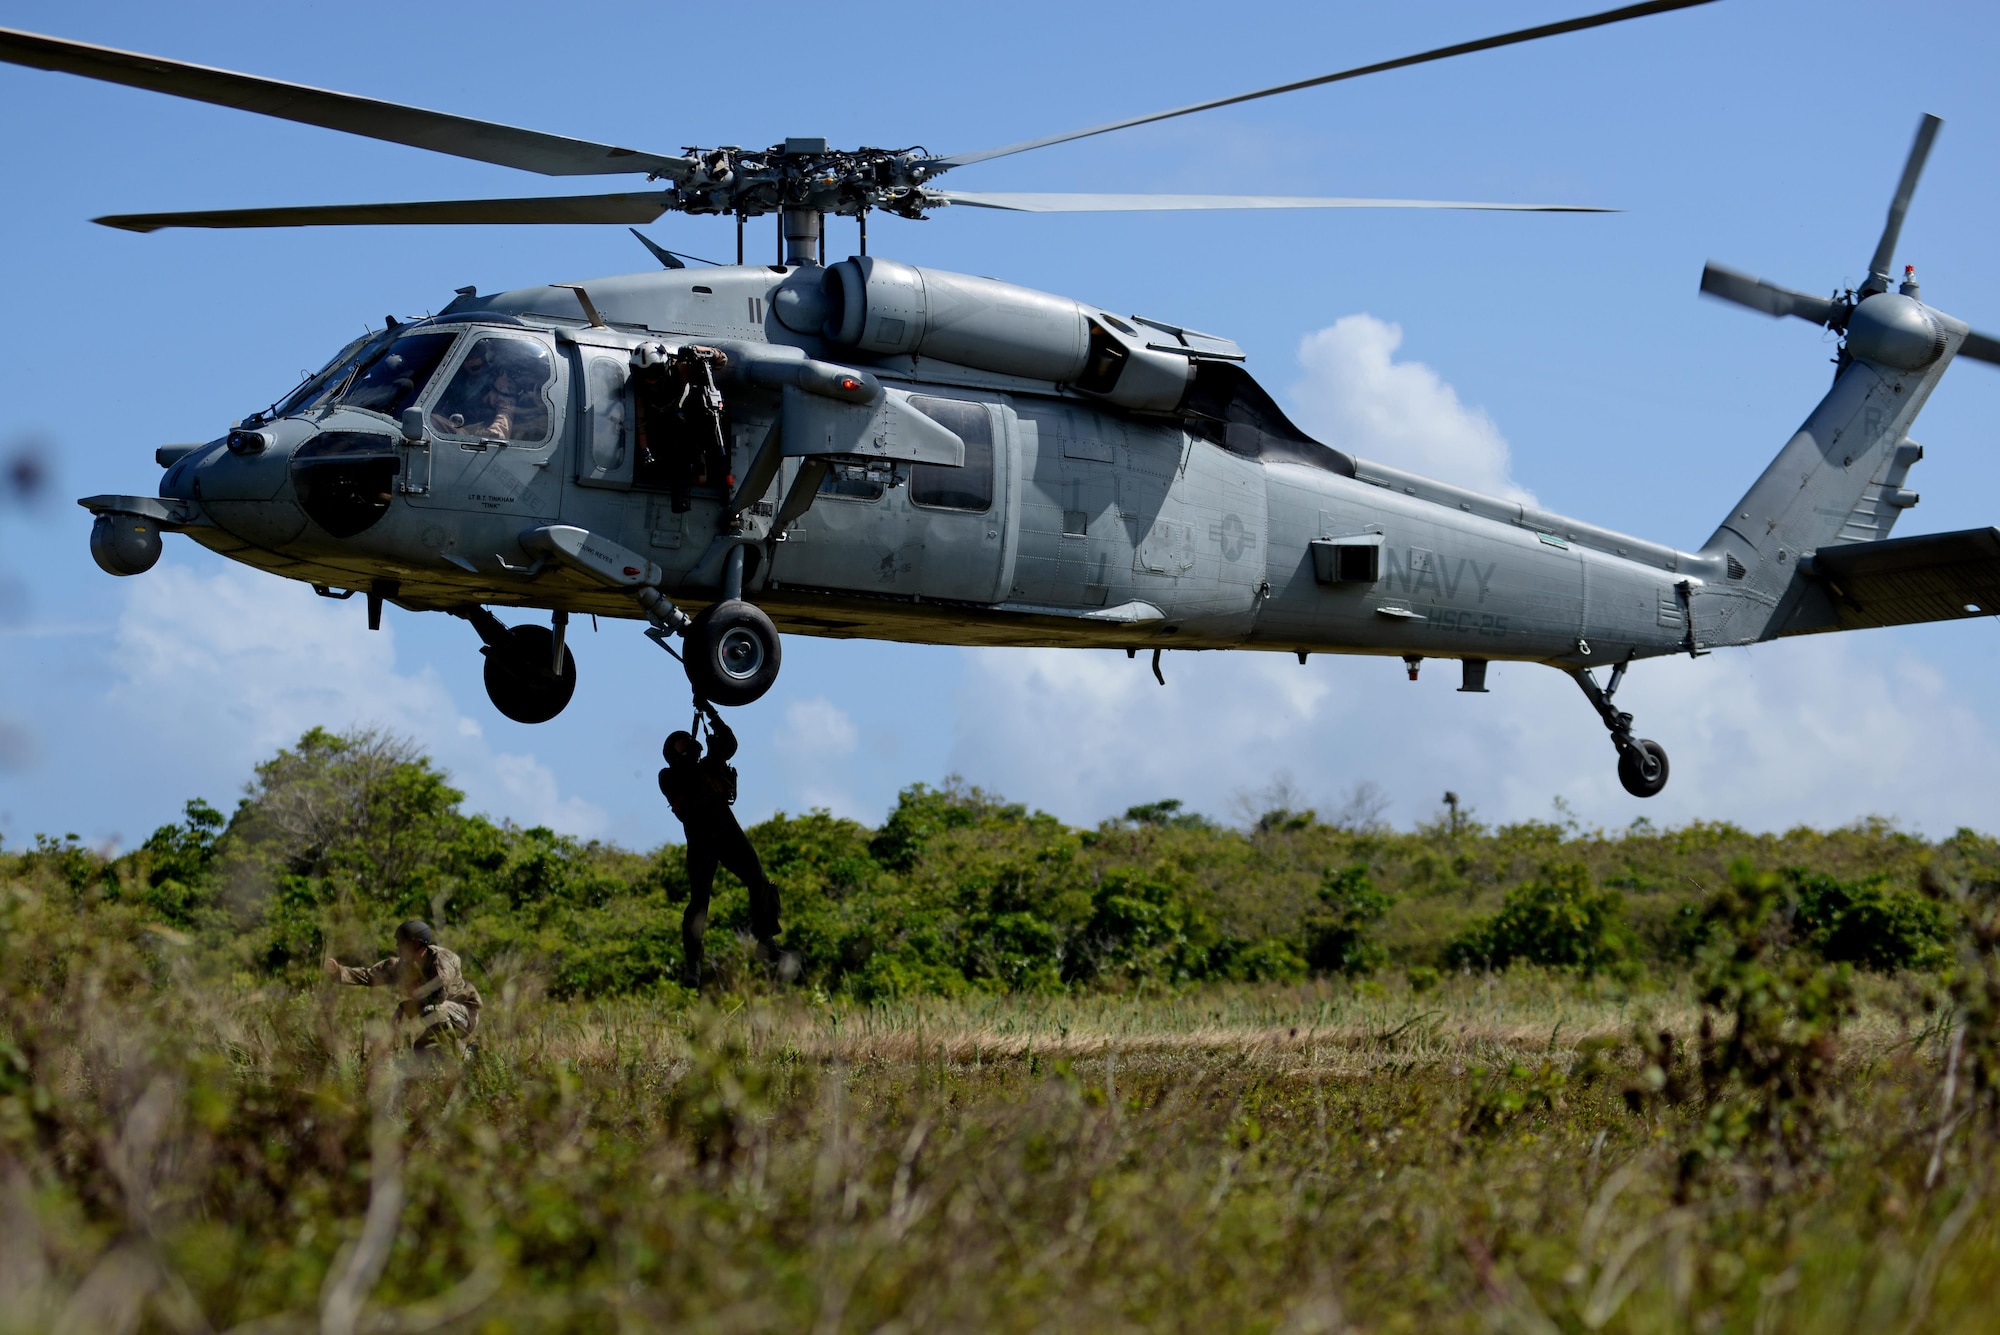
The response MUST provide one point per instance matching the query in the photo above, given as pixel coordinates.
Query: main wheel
(732, 652)
(518, 679)
(1642, 768)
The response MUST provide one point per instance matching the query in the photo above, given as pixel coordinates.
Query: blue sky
(1568, 356)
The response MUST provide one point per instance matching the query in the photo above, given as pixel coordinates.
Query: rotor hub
(804, 175)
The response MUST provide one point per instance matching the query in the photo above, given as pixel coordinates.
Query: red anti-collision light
(631, 571)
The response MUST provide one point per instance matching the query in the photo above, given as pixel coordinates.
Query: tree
(1337, 931)
(1560, 919)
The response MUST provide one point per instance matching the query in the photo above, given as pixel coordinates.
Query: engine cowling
(885, 308)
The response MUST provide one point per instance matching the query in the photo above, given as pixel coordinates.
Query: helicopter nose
(243, 481)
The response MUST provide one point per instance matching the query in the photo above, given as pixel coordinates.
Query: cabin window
(610, 417)
(499, 392)
(970, 486)
(345, 479)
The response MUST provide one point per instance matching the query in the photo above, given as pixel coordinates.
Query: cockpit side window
(499, 392)
(392, 381)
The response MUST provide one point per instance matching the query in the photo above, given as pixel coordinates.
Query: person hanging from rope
(700, 789)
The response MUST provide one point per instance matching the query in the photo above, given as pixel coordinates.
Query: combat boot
(783, 964)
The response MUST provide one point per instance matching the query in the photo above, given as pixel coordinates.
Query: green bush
(1868, 923)
(1336, 934)
(1560, 919)
(340, 836)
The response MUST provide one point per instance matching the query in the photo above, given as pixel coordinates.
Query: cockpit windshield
(383, 373)
(392, 380)
(315, 386)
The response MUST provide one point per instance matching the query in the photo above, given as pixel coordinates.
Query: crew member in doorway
(700, 788)
(682, 427)
(436, 997)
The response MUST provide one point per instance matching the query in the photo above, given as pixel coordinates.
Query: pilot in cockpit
(496, 393)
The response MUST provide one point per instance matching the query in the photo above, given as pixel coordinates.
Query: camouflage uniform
(435, 995)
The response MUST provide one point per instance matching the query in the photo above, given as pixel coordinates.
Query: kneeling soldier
(435, 994)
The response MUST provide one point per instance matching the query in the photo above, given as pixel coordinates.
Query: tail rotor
(1837, 312)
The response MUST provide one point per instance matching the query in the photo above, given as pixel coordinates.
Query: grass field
(1492, 1152)
(1164, 1074)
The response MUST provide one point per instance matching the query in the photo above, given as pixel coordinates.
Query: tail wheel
(1642, 768)
(733, 652)
(519, 681)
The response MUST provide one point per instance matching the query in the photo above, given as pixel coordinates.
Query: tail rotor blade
(1892, 231)
(1769, 298)
(1981, 348)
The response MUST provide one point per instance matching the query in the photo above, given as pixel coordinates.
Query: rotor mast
(804, 236)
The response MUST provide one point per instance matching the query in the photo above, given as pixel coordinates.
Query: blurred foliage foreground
(1692, 1080)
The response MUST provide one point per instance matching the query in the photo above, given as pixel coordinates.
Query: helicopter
(872, 449)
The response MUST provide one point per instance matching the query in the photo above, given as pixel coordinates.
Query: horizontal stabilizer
(1900, 582)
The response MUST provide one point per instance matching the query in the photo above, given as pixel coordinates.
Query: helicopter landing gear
(732, 652)
(530, 672)
(1642, 762)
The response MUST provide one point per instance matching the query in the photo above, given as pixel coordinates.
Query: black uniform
(699, 793)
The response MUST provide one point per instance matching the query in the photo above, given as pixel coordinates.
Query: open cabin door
(913, 502)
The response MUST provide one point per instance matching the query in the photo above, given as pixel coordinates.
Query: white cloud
(231, 666)
(820, 729)
(1356, 397)
(818, 746)
(1819, 730)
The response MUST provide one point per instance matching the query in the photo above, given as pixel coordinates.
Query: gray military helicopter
(869, 449)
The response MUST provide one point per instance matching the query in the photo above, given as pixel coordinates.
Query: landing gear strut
(732, 648)
(1642, 763)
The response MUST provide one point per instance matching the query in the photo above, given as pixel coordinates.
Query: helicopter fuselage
(1071, 522)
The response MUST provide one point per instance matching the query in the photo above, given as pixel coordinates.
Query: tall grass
(184, 1152)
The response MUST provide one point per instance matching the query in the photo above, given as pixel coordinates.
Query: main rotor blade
(1093, 203)
(460, 136)
(637, 206)
(1892, 231)
(1769, 298)
(1981, 348)
(1441, 53)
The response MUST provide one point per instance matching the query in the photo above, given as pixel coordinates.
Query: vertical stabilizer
(1831, 483)
(1840, 479)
